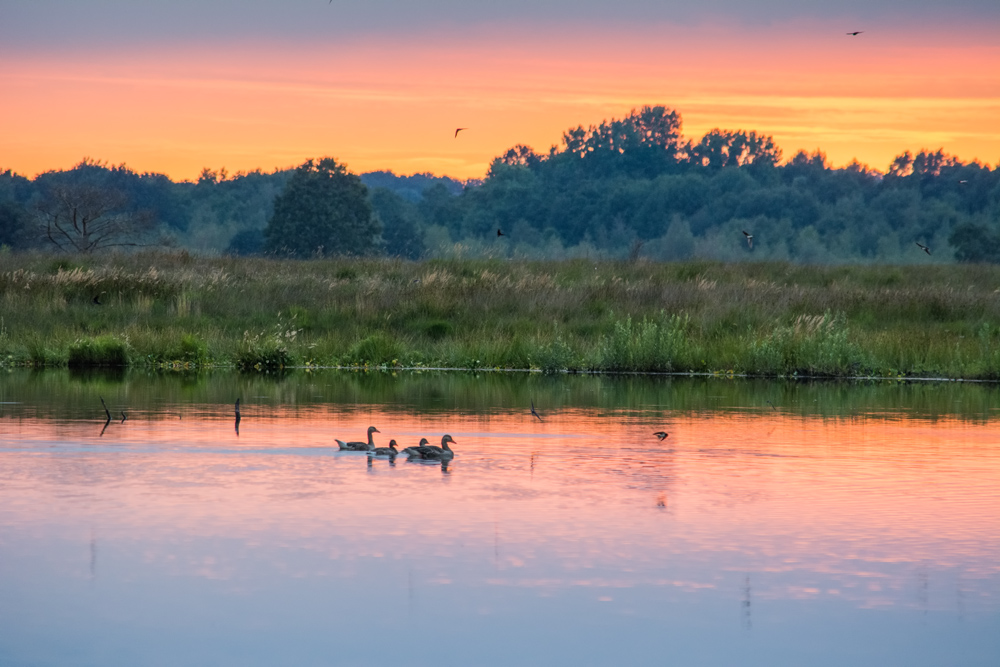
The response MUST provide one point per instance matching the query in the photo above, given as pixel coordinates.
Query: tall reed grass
(175, 310)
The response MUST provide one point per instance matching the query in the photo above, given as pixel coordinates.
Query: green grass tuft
(99, 351)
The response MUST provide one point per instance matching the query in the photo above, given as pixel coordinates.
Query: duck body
(360, 446)
(433, 452)
(389, 451)
(415, 451)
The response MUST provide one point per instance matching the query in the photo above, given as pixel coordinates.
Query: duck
(389, 451)
(360, 446)
(435, 453)
(415, 451)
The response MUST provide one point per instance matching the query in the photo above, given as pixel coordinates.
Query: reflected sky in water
(846, 525)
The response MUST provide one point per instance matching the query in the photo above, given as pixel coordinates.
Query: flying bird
(661, 434)
(749, 238)
(533, 410)
(459, 130)
(97, 300)
(855, 33)
(962, 182)
(923, 247)
(499, 233)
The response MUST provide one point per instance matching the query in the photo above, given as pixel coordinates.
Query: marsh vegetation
(771, 319)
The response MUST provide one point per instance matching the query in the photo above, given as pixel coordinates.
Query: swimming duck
(389, 451)
(435, 453)
(415, 451)
(360, 446)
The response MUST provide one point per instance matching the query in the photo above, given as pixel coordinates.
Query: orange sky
(394, 102)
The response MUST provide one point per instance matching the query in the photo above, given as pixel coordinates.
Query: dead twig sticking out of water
(107, 412)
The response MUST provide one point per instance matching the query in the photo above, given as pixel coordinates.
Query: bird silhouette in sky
(533, 410)
(499, 233)
(923, 247)
(855, 33)
(749, 238)
(459, 130)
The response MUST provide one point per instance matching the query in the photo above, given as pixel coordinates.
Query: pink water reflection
(864, 513)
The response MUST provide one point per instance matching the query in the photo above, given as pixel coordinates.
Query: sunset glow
(814, 484)
(393, 103)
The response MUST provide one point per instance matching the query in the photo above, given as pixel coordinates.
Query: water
(845, 524)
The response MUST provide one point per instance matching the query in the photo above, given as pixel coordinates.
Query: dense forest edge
(627, 188)
(176, 310)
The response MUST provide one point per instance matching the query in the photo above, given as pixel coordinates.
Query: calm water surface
(847, 524)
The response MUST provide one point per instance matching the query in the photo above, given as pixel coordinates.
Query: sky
(175, 86)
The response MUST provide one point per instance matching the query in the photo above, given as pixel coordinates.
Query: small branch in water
(108, 413)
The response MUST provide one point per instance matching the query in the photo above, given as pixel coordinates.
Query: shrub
(190, 350)
(438, 329)
(99, 351)
(375, 350)
(649, 346)
(554, 357)
(262, 353)
(811, 345)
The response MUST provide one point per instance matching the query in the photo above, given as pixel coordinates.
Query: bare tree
(86, 218)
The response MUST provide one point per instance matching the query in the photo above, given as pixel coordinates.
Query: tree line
(627, 187)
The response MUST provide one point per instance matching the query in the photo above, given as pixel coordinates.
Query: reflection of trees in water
(62, 392)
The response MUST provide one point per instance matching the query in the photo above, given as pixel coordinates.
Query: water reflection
(830, 514)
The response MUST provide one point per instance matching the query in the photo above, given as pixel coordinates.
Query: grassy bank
(760, 318)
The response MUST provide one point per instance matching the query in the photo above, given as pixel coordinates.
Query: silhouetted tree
(975, 243)
(14, 225)
(246, 242)
(724, 148)
(399, 229)
(87, 218)
(323, 210)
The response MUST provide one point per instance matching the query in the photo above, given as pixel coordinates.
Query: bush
(100, 351)
(257, 352)
(554, 357)
(438, 329)
(811, 345)
(375, 350)
(191, 350)
(648, 346)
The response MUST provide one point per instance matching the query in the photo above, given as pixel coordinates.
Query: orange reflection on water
(826, 507)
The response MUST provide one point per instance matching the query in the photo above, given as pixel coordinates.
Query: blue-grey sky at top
(85, 24)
